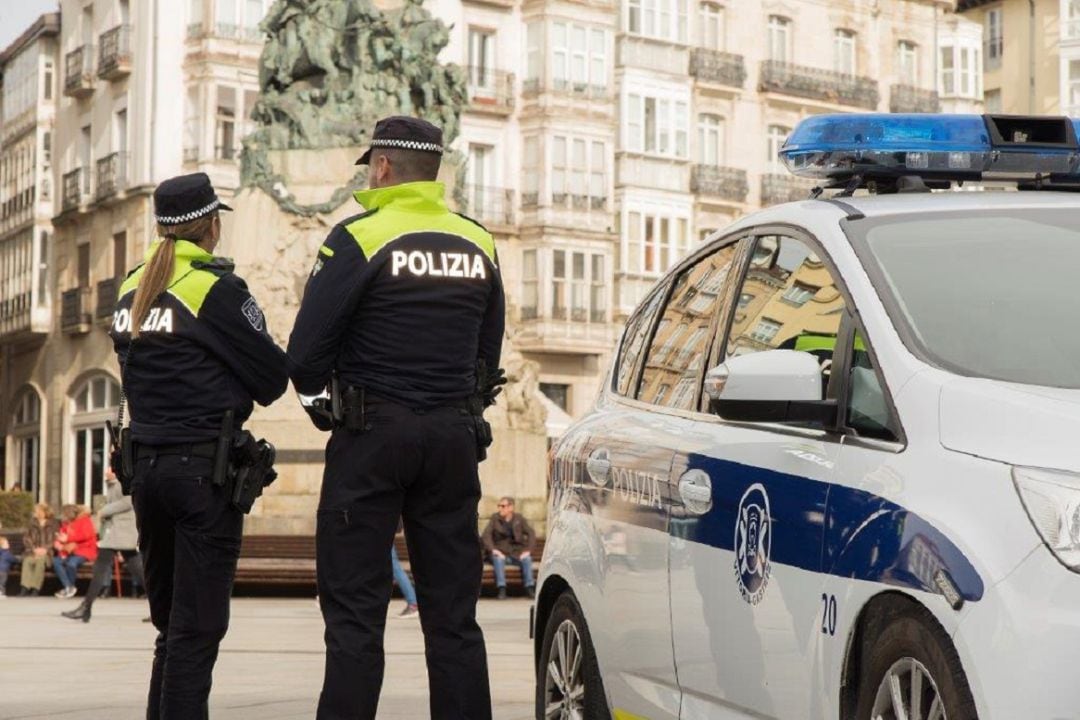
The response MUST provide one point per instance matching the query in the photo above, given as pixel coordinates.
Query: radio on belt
(878, 149)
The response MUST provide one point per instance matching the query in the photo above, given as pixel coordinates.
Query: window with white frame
(907, 63)
(534, 56)
(960, 72)
(775, 137)
(765, 330)
(481, 59)
(657, 124)
(530, 171)
(653, 242)
(1072, 19)
(710, 140)
(578, 173)
(995, 43)
(578, 286)
(26, 441)
(237, 19)
(659, 19)
(779, 38)
(94, 402)
(578, 57)
(530, 285)
(225, 124)
(711, 17)
(844, 51)
(1074, 87)
(992, 101)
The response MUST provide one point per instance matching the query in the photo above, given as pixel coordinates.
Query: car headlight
(1052, 501)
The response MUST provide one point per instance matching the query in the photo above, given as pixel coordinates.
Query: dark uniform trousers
(419, 466)
(189, 536)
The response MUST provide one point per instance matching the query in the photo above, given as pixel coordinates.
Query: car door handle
(695, 489)
(599, 466)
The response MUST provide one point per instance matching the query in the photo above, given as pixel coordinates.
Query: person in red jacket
(76, 543)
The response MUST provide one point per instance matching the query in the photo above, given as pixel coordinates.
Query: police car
(835, 469)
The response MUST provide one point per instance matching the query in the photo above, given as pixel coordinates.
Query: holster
(122, 456)
(251, 469)
(482, 427)
(352, 414)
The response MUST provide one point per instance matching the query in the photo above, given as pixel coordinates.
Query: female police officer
(192, 345)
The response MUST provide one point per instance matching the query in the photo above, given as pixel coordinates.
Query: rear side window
(634, 337)
(672, 372)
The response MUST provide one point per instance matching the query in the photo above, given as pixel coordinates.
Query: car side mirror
(770, 386)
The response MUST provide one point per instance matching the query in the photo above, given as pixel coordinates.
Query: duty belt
(206, 450)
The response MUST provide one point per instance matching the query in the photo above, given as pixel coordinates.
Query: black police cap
(407, 133)
(185, 198)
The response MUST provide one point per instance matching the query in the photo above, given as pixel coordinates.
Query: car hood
(1016, 424)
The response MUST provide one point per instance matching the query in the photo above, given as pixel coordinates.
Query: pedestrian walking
(403, 317)
(195, 354)
(118, 537)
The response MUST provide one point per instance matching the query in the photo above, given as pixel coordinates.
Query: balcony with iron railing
(111, 175)
(777, 187)
(79, 72)
(717, 68)
(75, 310)
(75, 189)
(107, 291)
(114, 58)
(492, 206)
(490, 91)
(715, 181)
(910, 99)
(825, 86)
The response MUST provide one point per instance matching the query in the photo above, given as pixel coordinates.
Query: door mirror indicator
(770, 386)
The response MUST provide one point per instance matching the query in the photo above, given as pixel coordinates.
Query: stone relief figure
(330, 69)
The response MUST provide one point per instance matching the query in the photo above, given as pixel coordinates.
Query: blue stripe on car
(828, 528)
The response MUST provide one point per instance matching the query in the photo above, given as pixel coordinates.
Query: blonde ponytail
(155, 279)
(159, 270)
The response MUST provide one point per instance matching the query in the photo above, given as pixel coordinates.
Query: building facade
(1025, 64)
(602, 142)
(131, 80)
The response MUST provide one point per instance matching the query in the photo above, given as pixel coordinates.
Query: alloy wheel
(908, 692)
(564, 688)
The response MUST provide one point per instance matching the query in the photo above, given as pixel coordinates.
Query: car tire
(907, 649)
(564, 635)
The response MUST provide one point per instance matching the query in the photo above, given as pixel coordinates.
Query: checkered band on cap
(408, 145)
(188, 217)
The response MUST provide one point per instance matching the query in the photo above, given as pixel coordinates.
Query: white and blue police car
(834, 471)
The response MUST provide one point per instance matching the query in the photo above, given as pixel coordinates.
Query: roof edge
(47, 25)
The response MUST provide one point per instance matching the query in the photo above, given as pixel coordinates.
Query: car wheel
(568, 684)
(910, 670)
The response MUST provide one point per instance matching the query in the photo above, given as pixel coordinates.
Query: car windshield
(993, 295)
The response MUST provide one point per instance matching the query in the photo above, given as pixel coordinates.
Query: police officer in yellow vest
(403, 301)
(195, 354)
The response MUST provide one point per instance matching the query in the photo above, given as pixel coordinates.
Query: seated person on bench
(508, 538)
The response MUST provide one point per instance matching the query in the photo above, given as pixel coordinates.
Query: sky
(17, 15)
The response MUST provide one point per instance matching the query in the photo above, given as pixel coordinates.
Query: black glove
(493, 386)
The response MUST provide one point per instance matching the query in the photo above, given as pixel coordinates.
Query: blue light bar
(942, 147)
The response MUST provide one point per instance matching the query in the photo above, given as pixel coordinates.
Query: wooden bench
(15, 541)
(290, 560)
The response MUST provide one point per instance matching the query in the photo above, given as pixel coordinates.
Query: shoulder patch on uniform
(474, 222)
(253, 313)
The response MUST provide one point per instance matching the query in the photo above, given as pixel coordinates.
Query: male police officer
(403, 301)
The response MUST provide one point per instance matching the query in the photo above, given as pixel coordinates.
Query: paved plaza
(270, 667)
